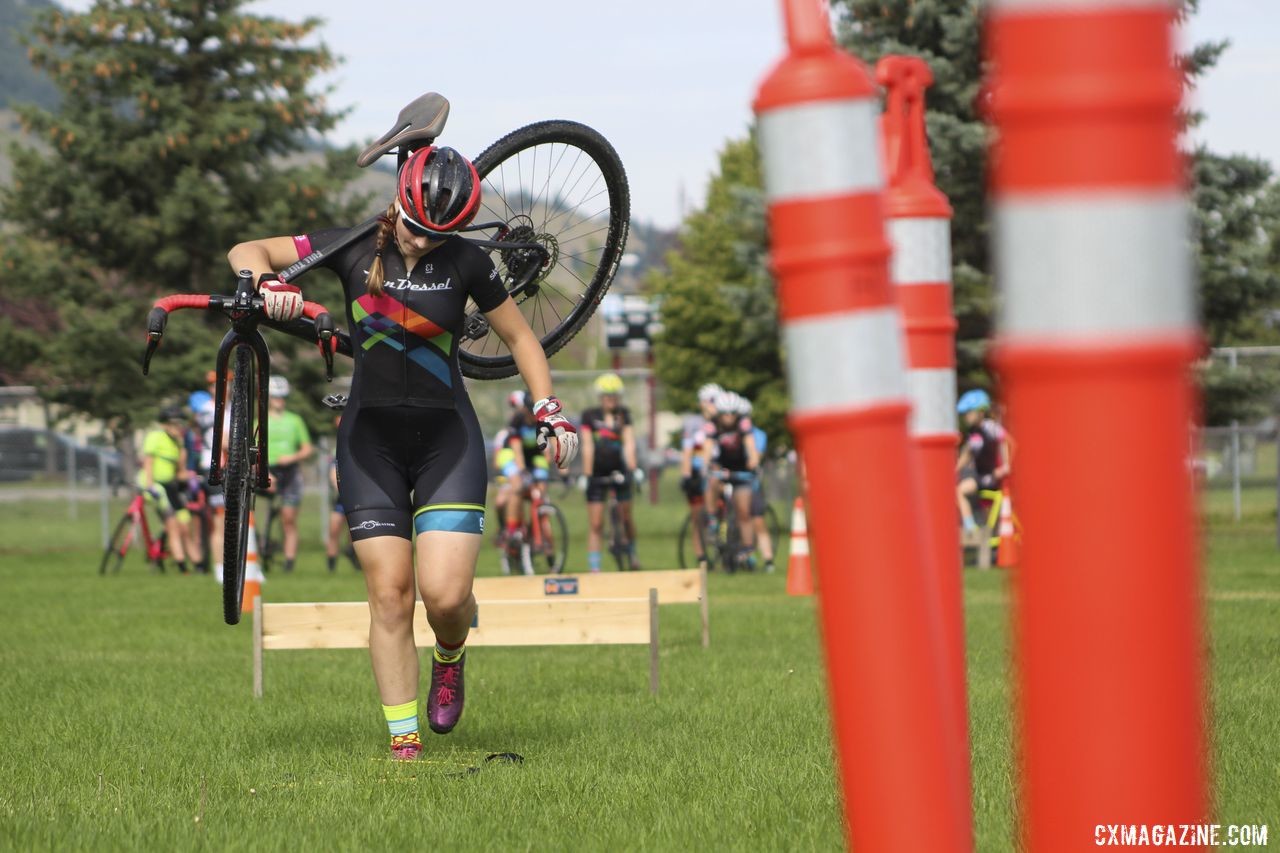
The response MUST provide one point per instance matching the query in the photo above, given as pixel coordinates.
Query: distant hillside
(19, 82)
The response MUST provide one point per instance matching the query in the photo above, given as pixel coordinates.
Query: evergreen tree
(171, 143)
(947, 35)
(719, 314)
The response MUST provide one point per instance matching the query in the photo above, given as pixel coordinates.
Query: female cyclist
(608, 447)
(731, 451)
(411, 458)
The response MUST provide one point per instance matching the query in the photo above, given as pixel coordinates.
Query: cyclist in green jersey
(163, 468)
(288, 444)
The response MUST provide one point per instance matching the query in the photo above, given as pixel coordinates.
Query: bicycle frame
(153, 546)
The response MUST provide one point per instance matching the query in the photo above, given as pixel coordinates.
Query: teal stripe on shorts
(452, 520)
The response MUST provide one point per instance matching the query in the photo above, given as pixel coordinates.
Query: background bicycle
(543, 540)
(721, 537)
(133, 533)
(614, 533)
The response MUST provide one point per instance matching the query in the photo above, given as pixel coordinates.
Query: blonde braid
(386, 227)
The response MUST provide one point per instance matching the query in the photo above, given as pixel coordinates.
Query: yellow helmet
(609, 383)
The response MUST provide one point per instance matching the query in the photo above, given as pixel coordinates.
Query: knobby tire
(238, 486)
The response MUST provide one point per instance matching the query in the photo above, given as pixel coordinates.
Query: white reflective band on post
(825, 148)
(1078, 6)
(921, 251)
(933, 401)
(837, 362)
(1097, 265)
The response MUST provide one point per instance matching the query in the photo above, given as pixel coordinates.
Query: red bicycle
(548, 539)
(134, 527)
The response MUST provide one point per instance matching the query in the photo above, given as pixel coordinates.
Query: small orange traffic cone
(253, 577)
(799, 572)
(1007, 549)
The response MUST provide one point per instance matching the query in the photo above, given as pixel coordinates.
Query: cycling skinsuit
(730, 445)
(165, 453)
(411, 456)
(286, 434)
(694, 433)
(535, 461)
(984, 442)
(757, 496)
(606, 436)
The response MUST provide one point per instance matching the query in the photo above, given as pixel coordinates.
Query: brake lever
(325, 340)
(156, 320)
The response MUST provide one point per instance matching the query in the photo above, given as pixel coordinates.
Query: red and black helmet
(438, 190)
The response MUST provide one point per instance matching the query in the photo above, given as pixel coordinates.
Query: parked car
(24, 454)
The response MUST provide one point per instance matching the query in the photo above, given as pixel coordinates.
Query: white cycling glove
(281, 301)
(553, 424)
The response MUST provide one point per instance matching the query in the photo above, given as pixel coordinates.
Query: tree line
(717, 295)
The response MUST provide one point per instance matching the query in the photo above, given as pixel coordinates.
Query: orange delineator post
(1097, 333)
(799, 569)
(919, 227)
(899, 757)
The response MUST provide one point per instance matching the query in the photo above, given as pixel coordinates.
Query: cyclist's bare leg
(217, 519)
(964, 492)
(742, 506)
(595, 523)
(388, 577)
(336, 522)
(763, 537)
(289, 522)
(173, 527)
(446, 570)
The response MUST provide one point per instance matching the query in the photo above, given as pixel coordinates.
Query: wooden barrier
(545, 622)
(674, 586)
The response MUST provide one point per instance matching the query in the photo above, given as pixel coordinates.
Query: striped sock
(449, 654)
(402, 720)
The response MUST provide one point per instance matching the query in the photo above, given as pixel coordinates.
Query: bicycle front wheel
(121, 539)
(238, 485)
(555, 537)
(561, 185)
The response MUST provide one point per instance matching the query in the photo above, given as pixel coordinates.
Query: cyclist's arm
(587, 446)
(629, 447)
(753, 454)
(965, 457)
(148, 471)
(518, 451)
(263, 256)
(686, 460)
(1006, 456)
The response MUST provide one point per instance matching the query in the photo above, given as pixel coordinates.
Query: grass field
(128, 723)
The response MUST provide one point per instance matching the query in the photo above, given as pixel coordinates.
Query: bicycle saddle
(420, 122)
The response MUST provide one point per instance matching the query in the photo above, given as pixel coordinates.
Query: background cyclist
(731, 451)
(525, 465)
(608, 448)
(411, 457)
(693, 481)
(288, 444)
(985, 453)
(163, 471)
(764, 539)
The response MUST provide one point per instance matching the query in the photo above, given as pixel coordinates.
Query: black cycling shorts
(598, 489)
(405, 469)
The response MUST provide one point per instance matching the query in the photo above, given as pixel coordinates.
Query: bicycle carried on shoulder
(560, 204)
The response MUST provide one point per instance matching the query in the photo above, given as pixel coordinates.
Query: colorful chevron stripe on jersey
(382, 318)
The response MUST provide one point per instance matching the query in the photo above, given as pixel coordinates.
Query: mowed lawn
(128, 721)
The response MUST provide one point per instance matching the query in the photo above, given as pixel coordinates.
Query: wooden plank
(546, 622)
(675, 586)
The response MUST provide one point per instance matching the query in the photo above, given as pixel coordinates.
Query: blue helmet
(199, 400)
(975, 399)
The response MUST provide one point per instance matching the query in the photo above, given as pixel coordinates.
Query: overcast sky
(667, 81)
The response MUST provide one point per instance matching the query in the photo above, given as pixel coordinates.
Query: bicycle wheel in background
(238, 485)
(685, 555)
(555, 537)
(617, 539)
(559, 184)
(122, 539)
